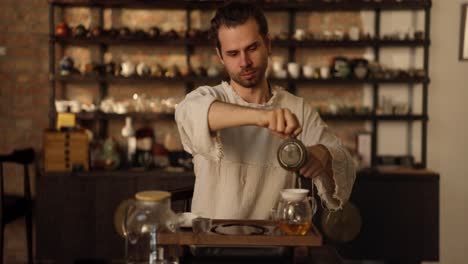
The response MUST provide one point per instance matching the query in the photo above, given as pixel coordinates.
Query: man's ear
(218, 52)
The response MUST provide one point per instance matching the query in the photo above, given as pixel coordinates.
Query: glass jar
(149, 214)
(294, 212)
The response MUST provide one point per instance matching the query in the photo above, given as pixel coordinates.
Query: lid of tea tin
(152, 196)
(292, 154)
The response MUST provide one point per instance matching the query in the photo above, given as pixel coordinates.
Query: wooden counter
(74, 213)
(400, 216)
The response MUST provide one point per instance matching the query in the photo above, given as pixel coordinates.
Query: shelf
(402, 118)
(119, 79)
(378, 173)
(163, 41)
(350, 5)
(370, 117)
(350, 43)
(205, 42)
(290, 8)
(133, 79)
(88, 116)
(335, 81)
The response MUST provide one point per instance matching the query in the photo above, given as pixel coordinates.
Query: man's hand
(319, 162)
(281, 122)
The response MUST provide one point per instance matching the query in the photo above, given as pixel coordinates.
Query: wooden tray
(313, 238)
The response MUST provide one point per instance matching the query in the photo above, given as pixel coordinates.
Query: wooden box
(65, 150)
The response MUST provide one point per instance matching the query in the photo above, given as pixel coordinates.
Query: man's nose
(245, 60)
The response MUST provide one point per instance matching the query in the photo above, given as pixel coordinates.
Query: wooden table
(186, 237)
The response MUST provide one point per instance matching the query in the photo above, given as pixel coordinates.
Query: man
(233, 130)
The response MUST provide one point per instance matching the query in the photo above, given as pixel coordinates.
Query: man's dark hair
(234, 14)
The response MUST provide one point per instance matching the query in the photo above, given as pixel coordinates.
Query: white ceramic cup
(308, 70)
(281, 74)
(212, 71)
(75, 106)
(354, 33)
(61, 106)
(294, 70)
(325, 72)
(277, 66)
(128, 69)
(142, 69)
(299, 34)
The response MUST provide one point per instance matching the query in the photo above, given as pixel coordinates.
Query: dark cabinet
(75, 212)
(400, 217)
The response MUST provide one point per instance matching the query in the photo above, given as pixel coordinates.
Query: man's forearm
(280, 121)
(224, 115)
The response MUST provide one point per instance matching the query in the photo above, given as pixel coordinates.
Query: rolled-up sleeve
(336, 190)
(191, 116)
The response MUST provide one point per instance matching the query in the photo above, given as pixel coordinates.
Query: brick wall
(24, 88)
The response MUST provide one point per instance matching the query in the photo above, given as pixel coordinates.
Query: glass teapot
(294, 212)
(148, 214)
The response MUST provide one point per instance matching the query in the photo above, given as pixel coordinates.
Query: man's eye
(232, 54)
(253, 47)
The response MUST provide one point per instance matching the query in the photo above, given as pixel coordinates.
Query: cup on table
(201, 225)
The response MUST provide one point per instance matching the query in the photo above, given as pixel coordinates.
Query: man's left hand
(319, 161)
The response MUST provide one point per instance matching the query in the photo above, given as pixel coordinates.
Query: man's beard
(249, 83)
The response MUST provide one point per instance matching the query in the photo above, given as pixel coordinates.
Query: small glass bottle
(128, 132)
(149, 214)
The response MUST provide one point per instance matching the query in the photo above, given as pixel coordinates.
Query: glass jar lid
(152, 196)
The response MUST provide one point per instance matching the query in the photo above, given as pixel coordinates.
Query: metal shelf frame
(292, 8)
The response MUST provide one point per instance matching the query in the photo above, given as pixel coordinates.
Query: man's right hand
(281, 122)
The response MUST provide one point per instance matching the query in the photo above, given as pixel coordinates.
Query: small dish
(201, 225)
(294, 195)
(185, 219)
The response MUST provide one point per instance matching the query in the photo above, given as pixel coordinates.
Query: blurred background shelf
(352, 5)
(149, 79)
(165, 41)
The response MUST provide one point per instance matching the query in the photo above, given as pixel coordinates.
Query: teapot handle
(313, 204)
(125, 220)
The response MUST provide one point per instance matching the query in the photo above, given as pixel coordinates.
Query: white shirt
(237, 172)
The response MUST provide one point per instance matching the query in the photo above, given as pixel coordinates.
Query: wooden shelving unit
(292, 8)
(164, 41)
(351, 5)
(330, 81)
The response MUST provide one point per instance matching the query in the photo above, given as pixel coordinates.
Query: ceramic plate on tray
(239, 229)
